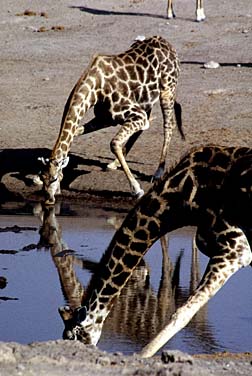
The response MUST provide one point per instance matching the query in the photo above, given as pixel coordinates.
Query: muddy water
(46, 260)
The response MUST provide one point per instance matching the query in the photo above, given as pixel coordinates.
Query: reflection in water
(51, 237)
(140, 312)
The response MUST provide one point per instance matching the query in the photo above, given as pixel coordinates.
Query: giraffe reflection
(64, 260)
(140, 312)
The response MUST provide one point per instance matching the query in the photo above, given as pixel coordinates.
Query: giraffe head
(80, 325)
(51, 177)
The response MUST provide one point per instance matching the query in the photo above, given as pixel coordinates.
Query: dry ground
(42, 56)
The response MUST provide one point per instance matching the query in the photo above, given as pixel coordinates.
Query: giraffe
(199, 13)
(209, 188)
(122, 89)
(138, 303)
(137, 292)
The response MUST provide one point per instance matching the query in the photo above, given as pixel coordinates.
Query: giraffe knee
(114, 146)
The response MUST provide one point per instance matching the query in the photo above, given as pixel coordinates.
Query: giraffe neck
(141, 228)
(81, 99)
(178, 199)
(209, 188)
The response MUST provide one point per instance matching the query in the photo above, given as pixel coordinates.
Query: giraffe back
(135, 76)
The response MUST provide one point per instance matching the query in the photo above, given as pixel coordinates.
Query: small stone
(6, 354)
(211, 65)
(41, 29)
(140, 38)
(174, 356)
(104, 361)
(58, 28)
(43, 14)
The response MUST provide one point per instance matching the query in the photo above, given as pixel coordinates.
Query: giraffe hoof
(113, 165)
(171, 15)
(200, 15)
(139, 194)
(158, 174)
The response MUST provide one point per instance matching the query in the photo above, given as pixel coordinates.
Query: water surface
(46, 269)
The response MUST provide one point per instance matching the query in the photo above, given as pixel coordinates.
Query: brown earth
(44, 51)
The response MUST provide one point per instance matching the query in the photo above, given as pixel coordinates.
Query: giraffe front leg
(115, 164)
(232, 253)
(119, 142)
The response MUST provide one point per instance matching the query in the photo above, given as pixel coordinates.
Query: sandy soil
(42, 56)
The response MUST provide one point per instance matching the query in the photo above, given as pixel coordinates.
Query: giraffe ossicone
(210, 188)
(122, 89)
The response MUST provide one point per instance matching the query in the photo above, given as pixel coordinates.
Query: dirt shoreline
(42, 56)
(61, 357)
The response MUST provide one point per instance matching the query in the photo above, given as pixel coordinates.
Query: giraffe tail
(178, 116)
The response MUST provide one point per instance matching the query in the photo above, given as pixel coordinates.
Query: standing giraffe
(209, 188)
(199, 13)
(123, 89)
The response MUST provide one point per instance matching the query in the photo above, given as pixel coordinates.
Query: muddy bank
(63, 357)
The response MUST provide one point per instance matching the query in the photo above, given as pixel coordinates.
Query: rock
(6, 355)
(175, 356)
(211, 65)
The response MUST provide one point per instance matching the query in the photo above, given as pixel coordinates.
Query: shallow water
(42, 277)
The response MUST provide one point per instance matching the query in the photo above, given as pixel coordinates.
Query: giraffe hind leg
(170, 11)
(221, 267)
(167, 106)
(200, 14)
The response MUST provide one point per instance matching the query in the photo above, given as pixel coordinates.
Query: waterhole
(47, 259)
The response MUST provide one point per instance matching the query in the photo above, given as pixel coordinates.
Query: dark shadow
(201, 63)
(103, 12)
(23, 164)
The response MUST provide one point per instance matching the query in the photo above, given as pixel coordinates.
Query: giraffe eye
(81, 314)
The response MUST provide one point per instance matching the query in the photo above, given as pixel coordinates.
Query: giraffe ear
(81, 314)
(43, 160)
